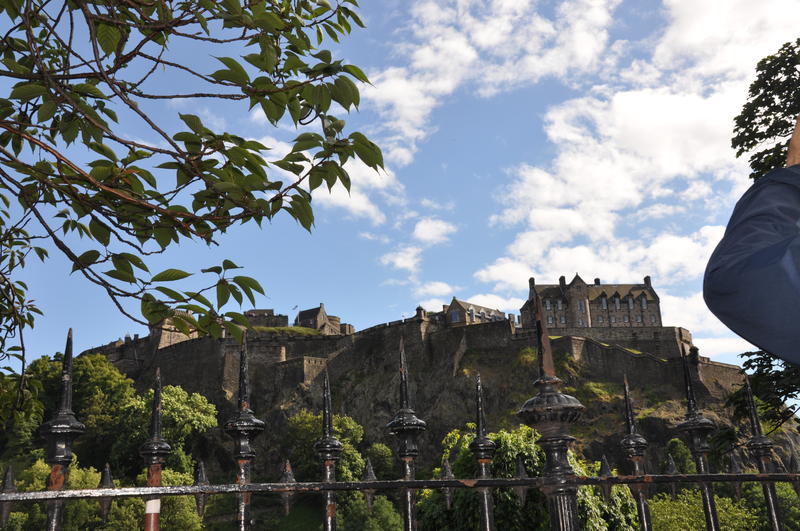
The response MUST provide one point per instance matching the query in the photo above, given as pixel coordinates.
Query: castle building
(318, 319)
(461, 313)
(582, 305)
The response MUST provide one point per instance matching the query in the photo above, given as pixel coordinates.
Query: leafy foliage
(768, 117)
(686, 512)
(595, 514)
(82, 78)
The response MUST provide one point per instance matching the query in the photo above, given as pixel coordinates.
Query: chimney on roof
(321, 306)
(596, 281)
(531, 288)
(647, 281)
(562, 282)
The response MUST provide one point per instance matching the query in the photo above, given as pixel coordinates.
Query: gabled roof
(595, 291)
(311, 313)
(466, 305)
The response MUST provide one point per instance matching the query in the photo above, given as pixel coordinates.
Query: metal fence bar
(483, 448)
(761, 446)
(698, 428)
(328, 448)
(407, 428)
(634, 445)
(59, 433)
(105, 483)
(154, 452)
(8, 488)
(552, 412)
(243, 427)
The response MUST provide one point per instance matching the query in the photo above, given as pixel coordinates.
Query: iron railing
(549, 411)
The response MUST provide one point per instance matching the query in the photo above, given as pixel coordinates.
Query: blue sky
(521, 138)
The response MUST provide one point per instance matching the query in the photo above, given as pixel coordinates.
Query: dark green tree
(763, 127)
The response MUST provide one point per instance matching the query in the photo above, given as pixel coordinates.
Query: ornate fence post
(407, 428)
(154, 451)
(552, 413)
(698, 428)
(634, 445)
(59, 432)
(243, 427)
(483, 448)
(328, 448)
(106, 482)
(8, 488)
(287, 477)
(761, 446)
(200, 480)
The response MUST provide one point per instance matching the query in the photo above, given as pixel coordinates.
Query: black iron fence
(549, 411)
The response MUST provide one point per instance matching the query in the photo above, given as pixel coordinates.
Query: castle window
(563, 319)
(580, 322)
(472, 314)
(625, 318)
(604, 303)
(644, 303)
(638, 318)
(580, 306)
(455, 316)
(483, 315)
(558, 304)
(600, 319)
(547, 305)
(630, 303)
(616, 302)
(653, 319)
(613, 319)
(549, 319)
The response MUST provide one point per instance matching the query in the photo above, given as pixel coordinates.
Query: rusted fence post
(552, 413)
(243, 427)
(698, 428)
(328, 448)
(154, 451)
(634, 445)
(59, 433)
(483, 448)
(407, 427)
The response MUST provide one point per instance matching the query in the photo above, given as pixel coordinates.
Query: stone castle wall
(661, 341)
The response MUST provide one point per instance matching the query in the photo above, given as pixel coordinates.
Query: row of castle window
(603, 304)
(612, 319)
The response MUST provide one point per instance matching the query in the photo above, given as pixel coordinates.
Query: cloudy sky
(522, 138)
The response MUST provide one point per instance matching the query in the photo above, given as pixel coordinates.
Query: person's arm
(793, 156)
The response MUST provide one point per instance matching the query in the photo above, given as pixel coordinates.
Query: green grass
(296, 330)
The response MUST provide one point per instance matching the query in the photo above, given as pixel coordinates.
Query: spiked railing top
(547, 368)
(244, 379)
(405, 421)
(63, 426)
(691, 401)
(328, 447)
(755, 423)
(404, 402)
(155, 449)
(629, 421)
(672, 469)
(65, 404)
(482, 446)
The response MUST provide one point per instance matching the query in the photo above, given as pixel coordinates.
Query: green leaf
(99, 231)
(86, 259)
(103, 149)
(46, 111)
(124, 276)
(87, 89)
(28, 91)
(356, 72)
(194, 123)
(214, 269)
(239, 74)
(227, 264)
(108, 36)
(171, 293)
(168, 275)
(223, 293)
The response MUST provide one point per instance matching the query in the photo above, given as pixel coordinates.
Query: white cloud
(724, 349)
(374, 237)
(407, 257)
(690, 312)
(435, 288)
(436, 205)
(432, 231)
(433, 305)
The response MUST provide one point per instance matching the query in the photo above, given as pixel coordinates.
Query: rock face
(442, 363)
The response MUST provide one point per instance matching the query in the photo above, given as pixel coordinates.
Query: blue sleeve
(752, 282)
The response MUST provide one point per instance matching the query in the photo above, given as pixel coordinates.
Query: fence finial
(404, 402)
(200, 480)
(634, 444)
(447, 473)
(60, 430)
(106, 482)
(155, 449)
(369, 475)
(605, 472)
(755, 422)
(481, 446)
(287, 477)
(405, 425)
(243, 426)
(691, 401)
(328, 447)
